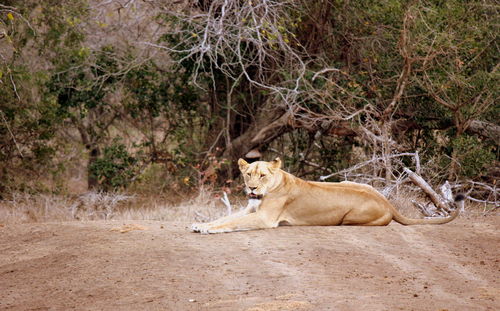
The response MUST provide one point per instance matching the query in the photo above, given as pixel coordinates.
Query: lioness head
(259, 176)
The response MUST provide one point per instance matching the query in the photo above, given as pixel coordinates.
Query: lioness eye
(262, 175)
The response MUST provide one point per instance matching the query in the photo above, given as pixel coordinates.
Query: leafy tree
(79, 86)
(27, 124)
(323, 84)
(115, 169)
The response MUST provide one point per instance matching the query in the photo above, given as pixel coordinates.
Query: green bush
(116, 169)
(473, 155)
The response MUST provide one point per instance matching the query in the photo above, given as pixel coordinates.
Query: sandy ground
(90, 266)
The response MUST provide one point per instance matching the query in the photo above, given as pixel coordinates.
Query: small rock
(192, 300)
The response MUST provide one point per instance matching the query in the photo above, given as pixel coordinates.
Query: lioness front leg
(252, 206)
(251, 221)
(201, 227)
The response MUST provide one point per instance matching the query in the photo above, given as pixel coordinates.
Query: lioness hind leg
(382, 221)
(367, 217)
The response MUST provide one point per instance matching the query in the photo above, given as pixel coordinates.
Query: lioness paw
(197, 227)
(213, 230)
(207, 229)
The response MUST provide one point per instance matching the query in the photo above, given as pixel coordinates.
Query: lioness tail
(458, 204)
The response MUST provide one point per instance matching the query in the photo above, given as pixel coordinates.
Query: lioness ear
(242, 164)
(276, 163)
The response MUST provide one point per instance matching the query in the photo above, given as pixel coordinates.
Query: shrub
(473, 155)
(116, 169)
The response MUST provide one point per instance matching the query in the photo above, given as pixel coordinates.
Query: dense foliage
(323, 84)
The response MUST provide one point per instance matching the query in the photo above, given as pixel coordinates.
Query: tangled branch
(253, 39)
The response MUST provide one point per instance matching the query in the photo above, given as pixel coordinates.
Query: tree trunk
(89, 141)
(269, 124)
(94, 153)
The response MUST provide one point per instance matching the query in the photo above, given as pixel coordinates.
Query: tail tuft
(459, 197)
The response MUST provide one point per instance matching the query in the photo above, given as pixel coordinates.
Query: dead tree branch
(363, 164)
(435, 198)
(485, 129)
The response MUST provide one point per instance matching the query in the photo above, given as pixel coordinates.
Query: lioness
(279, 198)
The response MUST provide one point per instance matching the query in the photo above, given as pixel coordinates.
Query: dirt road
(89, 266)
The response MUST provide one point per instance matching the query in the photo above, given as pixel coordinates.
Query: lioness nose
(252, 188)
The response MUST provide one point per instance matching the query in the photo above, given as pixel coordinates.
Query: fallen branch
(485, 129)
(435, 198)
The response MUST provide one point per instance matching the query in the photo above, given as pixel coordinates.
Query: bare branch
(419, 181)
(363, 164)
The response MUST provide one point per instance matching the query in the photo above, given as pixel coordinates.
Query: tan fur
(289, 200)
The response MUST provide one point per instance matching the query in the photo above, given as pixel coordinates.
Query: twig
(11, 134)
(226, 202)
(200, 216)
(324, 71)
(428, 210)
(417, 163)
(483, 201)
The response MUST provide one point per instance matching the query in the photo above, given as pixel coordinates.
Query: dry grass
(23, 207)
(203, 207)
